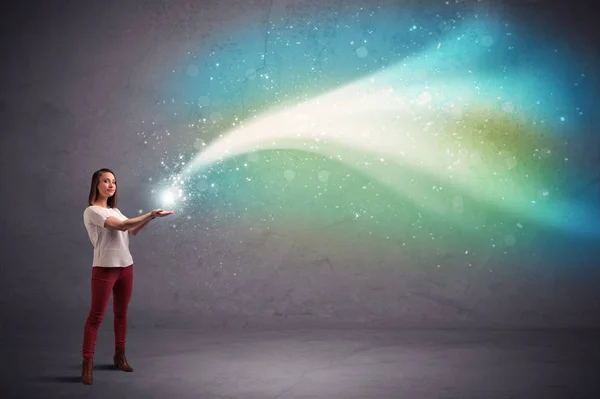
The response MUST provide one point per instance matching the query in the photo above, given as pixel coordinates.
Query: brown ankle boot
(121, 361)
(87, 376)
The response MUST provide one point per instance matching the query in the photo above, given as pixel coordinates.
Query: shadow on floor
(104, 366)
(100, 366)
(61, 378)
(74, 378)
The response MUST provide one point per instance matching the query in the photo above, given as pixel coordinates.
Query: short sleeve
(96, 216)
(120, 213)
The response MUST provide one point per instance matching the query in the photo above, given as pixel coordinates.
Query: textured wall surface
(82, 80)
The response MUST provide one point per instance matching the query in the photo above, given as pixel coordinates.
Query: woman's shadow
(75, 378)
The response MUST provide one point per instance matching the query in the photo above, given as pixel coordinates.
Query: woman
(112, 269)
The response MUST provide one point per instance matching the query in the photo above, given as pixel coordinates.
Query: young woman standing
(112, 267)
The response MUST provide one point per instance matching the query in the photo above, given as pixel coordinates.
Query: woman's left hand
(160, 213)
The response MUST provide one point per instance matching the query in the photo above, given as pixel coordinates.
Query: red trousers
(119, 280)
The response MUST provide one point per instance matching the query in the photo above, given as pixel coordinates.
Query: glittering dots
(199, 144)
(545, 153)
(511, 162)
(460, 116)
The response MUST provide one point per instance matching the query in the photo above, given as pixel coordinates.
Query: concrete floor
(370, 364)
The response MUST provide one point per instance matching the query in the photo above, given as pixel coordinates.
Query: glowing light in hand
(168, 197)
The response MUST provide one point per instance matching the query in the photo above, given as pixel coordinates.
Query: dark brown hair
(111, 202)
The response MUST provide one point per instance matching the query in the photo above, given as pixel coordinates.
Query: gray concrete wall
(78, 80)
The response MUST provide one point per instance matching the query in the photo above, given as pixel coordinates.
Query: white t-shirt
(111, 247)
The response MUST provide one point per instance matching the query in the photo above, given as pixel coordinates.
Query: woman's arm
(135, 224)
(127, 224)
(137, 229)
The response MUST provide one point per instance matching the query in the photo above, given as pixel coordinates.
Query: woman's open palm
(160, 213)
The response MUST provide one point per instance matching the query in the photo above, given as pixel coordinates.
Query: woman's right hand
(160, 213)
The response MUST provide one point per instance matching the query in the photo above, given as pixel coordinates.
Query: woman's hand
(160, 213)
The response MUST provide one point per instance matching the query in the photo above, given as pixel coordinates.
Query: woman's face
(107, 185)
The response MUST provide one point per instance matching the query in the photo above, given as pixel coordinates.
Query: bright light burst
(470, 132)
(467, 129)
(168, 197)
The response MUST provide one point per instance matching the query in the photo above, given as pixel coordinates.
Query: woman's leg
(103, 279)
(121, 297)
